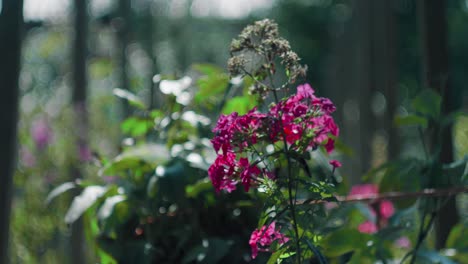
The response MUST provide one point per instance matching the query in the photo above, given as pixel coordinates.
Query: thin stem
(423, 142)
(292, 206)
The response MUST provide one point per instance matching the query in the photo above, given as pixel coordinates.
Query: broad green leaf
(239, 104)
(411, 120)
(274, 258)
(428, 103)
(130, 97)
(144, 157)
(457, 237)
(82, 202)
(59, 190)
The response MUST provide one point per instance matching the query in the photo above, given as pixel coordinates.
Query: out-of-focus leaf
(431, 256)
(239, 104)
(428, 103)
(212, 251)
(321, 258)
(130, 97)
(152, 186)
(108, 206)
(82, 202)
(214, 82)
(193, 190)
(457, 237)
(411, 120)
(136, 127)
(457, 171)
(106, 258)
(343, 241)
(136, 157)
(101, 68)
(276, 256)
(401, 175)
(59, 190)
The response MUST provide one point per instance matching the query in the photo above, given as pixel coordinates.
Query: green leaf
(130, 97)
(193, 190)
(144, 157)
(151, 189)
(207, 69)
(411, 120)
(343, 241)
(239, 104)
(275, 256)
(456, 172)
(82, 202)
(457, 237)
(101, 68)
(428, 103)
(136, 127)
(106, 258)
(59, 190)
(321, 258)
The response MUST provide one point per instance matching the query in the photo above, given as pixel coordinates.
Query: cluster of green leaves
(154, 202)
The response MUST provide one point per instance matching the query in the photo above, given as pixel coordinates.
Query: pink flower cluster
(303, 120)
(382, 211)
(262, 238)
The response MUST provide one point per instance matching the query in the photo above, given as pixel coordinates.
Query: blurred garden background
(118, 98)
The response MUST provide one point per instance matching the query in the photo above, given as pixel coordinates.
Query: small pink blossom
(386, 209)
(262, 238)
(41, 133)
(335, 163)
(364, 190)
(368, 227)
(403, 242)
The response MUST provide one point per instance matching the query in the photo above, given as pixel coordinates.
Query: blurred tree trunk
(384, 81)
(123, 39)
(147, 34)
(363, 58)
(433, 26)
(11, 23)
(79, 94)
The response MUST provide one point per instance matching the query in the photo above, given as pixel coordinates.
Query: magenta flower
(262, 238)
(221, 172)
(382, 210)
(335, 163)
(302, 120)
(364, 190)
(386, 209)
(249, 172)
